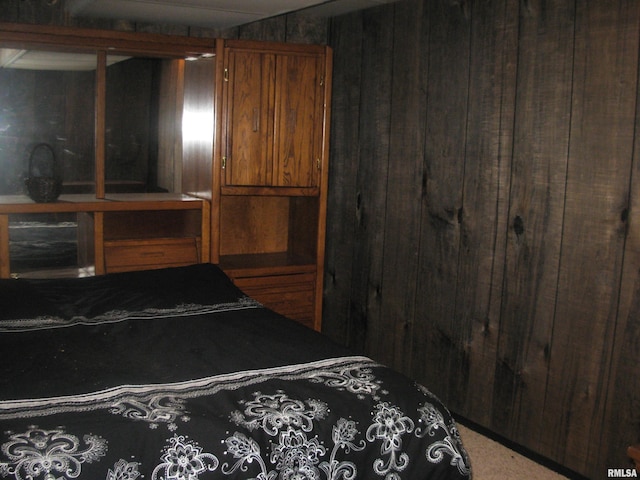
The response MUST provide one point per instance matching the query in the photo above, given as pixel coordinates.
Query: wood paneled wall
(484, 217)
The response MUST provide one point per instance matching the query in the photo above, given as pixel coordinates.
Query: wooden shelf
(266, 264)
(111, 229)
(275, 191)
(11, 204)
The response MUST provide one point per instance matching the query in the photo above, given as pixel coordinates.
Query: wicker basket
(43, 188)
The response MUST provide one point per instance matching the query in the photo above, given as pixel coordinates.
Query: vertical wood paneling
(467, 322)
(436, 347)
(303, 28)
(599, 164)
(271, 29)
(371, 182)
(42, 12)
(9, 11)
(494, 31)
(163, 29)
(621, 426)
(404, 185)
(346, 39)
(541, 142)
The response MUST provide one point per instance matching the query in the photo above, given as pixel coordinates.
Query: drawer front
(290, 295)
(127, 255)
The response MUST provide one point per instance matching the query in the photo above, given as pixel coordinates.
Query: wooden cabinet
(120, 232)
(273, 173)
(274, 98)
(242, 127)
(124, 115)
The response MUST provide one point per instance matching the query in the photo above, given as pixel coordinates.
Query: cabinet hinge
(318, 164)
(322, 80)
(226, 74)
(224, 162)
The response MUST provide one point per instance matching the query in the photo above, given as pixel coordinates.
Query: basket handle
(54, 163)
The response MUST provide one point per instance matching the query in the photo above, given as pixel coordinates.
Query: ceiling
(211, 13)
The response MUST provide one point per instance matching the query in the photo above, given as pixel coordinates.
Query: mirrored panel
(47, 98)
(141, 137)
(46, 242)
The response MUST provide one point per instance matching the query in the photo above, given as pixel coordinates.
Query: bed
(176, 374)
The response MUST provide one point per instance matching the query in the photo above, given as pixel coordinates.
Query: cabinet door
(298, 120)
(274, 118)
(250, 100)
(249, 135)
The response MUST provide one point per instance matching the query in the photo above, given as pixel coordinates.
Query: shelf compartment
(152, 224)
(121, 232)
(254, 224)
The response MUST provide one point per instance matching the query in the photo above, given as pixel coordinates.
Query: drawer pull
(152, 254)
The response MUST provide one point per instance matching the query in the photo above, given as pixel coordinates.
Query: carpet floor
(491, 460)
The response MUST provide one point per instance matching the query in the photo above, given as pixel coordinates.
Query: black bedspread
(175, 374)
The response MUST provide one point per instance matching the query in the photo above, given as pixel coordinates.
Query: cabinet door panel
(250, 119)
(274, 113)
(298, 120)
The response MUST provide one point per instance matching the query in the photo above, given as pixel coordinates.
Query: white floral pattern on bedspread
(115, 316)
(275, 431)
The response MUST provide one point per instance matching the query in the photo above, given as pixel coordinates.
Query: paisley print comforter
(175, 374)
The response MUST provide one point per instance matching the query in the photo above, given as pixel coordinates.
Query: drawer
(126, 255)
(290, 295)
